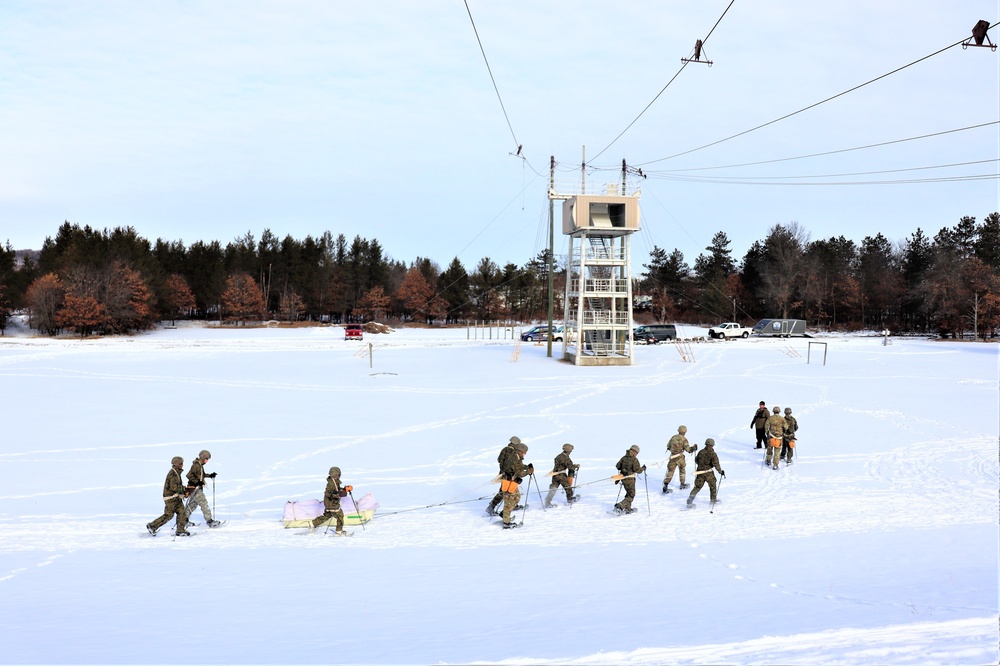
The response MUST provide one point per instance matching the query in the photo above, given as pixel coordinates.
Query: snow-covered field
(878, 545)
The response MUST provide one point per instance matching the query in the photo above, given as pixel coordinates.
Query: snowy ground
(879, 545)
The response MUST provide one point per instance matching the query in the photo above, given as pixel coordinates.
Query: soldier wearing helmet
(507, 453)
(706, 461)
(196, 488)
(174, 493)
(629, 466)
(788, 440)
(676, 448)
(563, 473)
(510, 483)
(331, 502)
(775, 428)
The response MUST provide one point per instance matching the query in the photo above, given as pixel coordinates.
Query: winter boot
(685, 486)
(618, 508)
(491, 510)
(690, 501)
(666, 489)
(509, 526)
(183, 533)
(214, 523)
(572, 498)
(548, 498)
(151, 529)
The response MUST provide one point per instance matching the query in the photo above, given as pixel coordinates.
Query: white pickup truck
(729, 330)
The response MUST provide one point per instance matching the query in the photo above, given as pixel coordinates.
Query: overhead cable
(629, 126)
(806, 108)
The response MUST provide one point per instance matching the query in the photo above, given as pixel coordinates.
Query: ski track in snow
(901, 482)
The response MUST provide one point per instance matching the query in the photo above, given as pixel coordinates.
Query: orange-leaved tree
(177, 296)
(242, 300)
(82, 313)
(44, 297)
(373, 304)
(414, 293)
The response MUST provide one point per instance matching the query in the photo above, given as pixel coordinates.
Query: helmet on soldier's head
(515, 440)
(205, 455)
(177, 460)
(788, 410)
(335, 472)
(776, 410)
(709, 442)
(521, 447)
(567, 448)
(682, 430)
(634, 447)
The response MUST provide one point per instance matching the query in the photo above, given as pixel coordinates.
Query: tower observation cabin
(598, 301)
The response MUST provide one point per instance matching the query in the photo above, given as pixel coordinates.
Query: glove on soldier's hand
(617, 481)
(531, 468)
(212, 475)
(723, 473)
(643, 469)
(694, 448)
(518, 480)
(576, 467)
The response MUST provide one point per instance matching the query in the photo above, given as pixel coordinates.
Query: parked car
(729, 330)
(354, 332)
(540, 332)
(557, 334)
(653, 333)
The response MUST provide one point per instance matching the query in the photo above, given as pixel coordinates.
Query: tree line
(948, 284)
(93, 281)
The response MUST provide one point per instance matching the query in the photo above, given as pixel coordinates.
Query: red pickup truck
(353, 332)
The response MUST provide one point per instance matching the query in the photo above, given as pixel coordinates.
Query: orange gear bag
(508, 486)
(775, 442)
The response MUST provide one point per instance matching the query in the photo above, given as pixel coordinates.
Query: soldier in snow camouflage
(196, 487)
(510, 484)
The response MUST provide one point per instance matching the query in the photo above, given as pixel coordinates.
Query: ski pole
(213, 497)
(358, 509)
(645, 482)
(712, 510)
(538, 489)
(527, 494)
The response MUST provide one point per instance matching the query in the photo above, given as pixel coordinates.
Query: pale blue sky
(204, 120)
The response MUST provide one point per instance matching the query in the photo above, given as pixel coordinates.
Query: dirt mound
(375, 327)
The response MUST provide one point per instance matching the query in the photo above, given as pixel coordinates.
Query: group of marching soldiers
(513, 471)
(776, 432)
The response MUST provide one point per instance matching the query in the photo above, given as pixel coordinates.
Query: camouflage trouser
(495, 502)
(198, 498)
(629, 485)
(787, 448)
(700, 480)
(510, 500)
(773, 454)
(327, 515)
(559, 480)
(673, 464)
(172, 507)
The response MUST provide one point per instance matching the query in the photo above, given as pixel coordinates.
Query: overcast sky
(205, 120)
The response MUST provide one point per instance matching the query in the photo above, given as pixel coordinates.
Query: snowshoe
(151, 529)
(518, 507)
(574, 498)
(685, 486)
(214, 523)
(342, 533)
(666, 490)
(509, 526)
(183, 533)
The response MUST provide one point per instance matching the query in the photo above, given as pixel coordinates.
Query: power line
(908, 181)
(831, 152)
(828, 175)
(811, 106)
(490, 70)
(646, 108)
